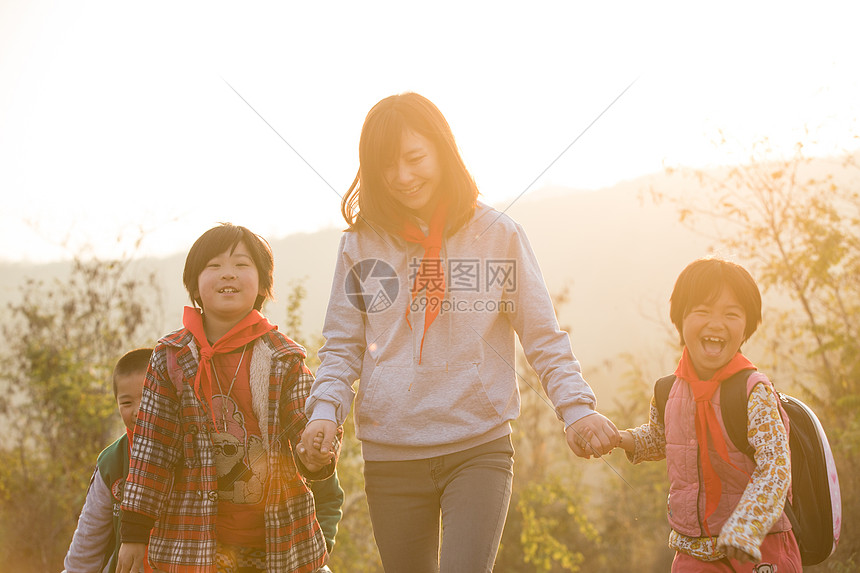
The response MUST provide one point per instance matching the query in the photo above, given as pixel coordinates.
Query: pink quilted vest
(685, 490)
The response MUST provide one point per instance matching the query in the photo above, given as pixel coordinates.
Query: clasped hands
(593, 435)
(317, 446)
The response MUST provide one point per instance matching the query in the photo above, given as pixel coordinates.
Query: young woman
(430, 288)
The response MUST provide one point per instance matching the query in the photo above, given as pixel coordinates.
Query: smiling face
(413, 178)
(129, 388)
(713, 332)
(228, 287)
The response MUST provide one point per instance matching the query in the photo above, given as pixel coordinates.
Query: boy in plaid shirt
(217, 471)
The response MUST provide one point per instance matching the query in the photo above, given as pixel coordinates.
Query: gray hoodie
(464, 391)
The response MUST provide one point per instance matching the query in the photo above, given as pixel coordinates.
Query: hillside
(617, 254)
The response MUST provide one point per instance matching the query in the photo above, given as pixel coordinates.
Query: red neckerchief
(250, 328)
(430, 273)
(707, 423)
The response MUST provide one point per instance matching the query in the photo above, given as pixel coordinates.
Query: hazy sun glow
(115, 118)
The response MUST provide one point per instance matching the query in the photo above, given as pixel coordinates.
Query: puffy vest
(682, 460)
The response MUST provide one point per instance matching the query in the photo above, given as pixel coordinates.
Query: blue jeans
(469, 490)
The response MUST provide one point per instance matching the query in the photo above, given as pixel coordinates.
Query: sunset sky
(119, 119)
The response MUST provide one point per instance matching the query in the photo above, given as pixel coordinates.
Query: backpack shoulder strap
(661, 393)
(733, 405)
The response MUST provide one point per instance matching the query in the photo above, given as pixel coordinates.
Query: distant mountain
(615, 250)
(617, 254)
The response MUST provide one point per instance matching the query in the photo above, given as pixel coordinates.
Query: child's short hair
(225, 237)
(702, 281)
(369, 199)
(132, 361)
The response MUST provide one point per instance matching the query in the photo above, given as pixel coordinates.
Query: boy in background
(96, 540)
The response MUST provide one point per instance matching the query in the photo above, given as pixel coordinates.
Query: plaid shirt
(172, 475)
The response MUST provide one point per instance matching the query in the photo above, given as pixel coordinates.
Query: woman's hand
(316, 448)
(592, 435)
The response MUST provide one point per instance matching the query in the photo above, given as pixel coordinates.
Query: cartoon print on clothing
(239, 457)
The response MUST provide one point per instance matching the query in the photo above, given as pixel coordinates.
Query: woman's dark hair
(368, 199)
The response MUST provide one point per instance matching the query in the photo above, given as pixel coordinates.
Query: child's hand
(308, 462)
(130, 557)
(738, 554)
(316, 449)
(625, 442)
(318, 441)
(592, 435)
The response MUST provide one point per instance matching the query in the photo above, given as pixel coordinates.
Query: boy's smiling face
(129, 388)
(713, 332)
(228, 286)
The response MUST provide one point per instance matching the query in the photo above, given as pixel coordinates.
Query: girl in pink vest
(725, 509)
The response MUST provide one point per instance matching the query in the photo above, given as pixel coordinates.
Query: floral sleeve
(649, 440)
(764, 497)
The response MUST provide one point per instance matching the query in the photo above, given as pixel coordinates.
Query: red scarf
(431, 274)
(707, 423)
(250, 328)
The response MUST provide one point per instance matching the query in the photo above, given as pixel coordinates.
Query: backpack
(815, 509)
